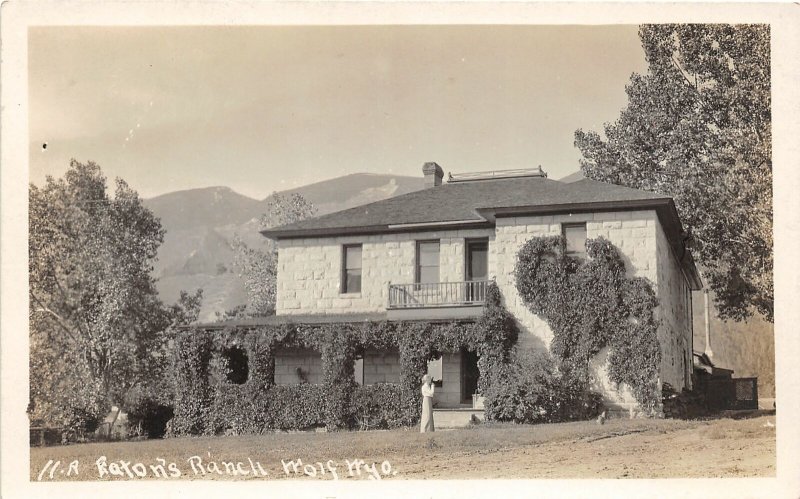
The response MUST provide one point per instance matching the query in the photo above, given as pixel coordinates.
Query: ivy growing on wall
(207, 402)
(193, 400)
(590, 305)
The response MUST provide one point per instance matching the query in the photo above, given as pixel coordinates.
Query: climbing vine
(209, 403)
(590, 305)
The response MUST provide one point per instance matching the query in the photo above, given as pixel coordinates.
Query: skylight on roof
(497, 174)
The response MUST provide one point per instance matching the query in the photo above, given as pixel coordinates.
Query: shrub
(532, 389)
(235, 410)
(379, 406)
(149, 418)
(295, 407)
(688, 404)
(192, 390)
(81, 420)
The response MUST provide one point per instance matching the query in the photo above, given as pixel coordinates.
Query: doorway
(469, 375)
(477, 269)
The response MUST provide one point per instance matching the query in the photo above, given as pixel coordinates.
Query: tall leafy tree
(258, 267)
(697, 127)
(96, 323)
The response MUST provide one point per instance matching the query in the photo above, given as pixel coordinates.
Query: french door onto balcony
(477, 268)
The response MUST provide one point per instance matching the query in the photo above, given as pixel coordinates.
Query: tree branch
(59, 320)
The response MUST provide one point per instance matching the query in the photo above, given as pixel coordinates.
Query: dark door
(469, 375)
(477, 271)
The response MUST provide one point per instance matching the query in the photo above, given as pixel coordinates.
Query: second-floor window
(351, 268)
(427, 261)
(575, 235)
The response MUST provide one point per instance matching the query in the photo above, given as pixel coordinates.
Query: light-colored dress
(426, 424)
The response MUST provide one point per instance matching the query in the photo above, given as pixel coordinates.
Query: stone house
(430, 254)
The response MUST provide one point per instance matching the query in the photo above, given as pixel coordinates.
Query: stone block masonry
(313, 286)
(675, 318)
(381, 367)
(633, 233)
(309, 277)
(287, 361)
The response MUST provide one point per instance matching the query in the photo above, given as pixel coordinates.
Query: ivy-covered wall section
(590, 305)
(208, 403)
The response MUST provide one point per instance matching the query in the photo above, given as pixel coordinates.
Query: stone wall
(380, 367)
(288, 360)
(675, 315)
(309, 275)
(309, 269)
(632, 232)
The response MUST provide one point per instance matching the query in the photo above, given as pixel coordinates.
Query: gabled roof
(471, 203)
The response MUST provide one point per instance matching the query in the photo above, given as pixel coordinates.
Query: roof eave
(491, 213)
(310, 320)
(664, 207)
(278, 234)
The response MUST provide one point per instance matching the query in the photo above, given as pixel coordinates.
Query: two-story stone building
(430, 254)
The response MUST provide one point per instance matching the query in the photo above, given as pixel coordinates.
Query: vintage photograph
(400, 252)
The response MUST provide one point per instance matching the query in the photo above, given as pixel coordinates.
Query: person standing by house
(426, 423)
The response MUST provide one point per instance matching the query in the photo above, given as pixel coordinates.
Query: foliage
(284, 209)
(297, 406)
(379, 406)
(688, 404)
(147, 417)
(532, 389)
(258, 267)
(207, 403)
(96, 323)
(590, 305)
(238, 410)
(193, 395)
(338, 358)
(697, 127)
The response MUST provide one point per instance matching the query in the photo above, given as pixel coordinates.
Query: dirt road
(721, 448)
(647, 448)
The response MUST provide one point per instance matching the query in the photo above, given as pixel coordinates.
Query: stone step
(456, 418)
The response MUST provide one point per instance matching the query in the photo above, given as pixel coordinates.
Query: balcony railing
(437, 294)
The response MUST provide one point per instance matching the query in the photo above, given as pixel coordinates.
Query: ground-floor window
(298, 365)
(237, 362)
(378, 367)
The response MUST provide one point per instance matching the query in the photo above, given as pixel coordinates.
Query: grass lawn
(620, 448)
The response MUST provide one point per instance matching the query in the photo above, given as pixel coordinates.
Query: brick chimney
(433, 174)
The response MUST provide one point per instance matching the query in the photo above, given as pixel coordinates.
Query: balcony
(437, 295)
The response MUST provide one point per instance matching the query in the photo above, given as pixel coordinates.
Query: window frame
(572, 225)
(418, 261)
(343, 276)
(472, 241)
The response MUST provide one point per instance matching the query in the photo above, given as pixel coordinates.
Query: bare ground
(618, 449)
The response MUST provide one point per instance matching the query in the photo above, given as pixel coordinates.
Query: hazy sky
(260, 109)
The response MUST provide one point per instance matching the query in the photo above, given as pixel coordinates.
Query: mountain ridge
(201, 223)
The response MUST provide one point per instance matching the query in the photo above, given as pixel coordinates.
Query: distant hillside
(201, 223)
(356, 189)
(207, 207)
